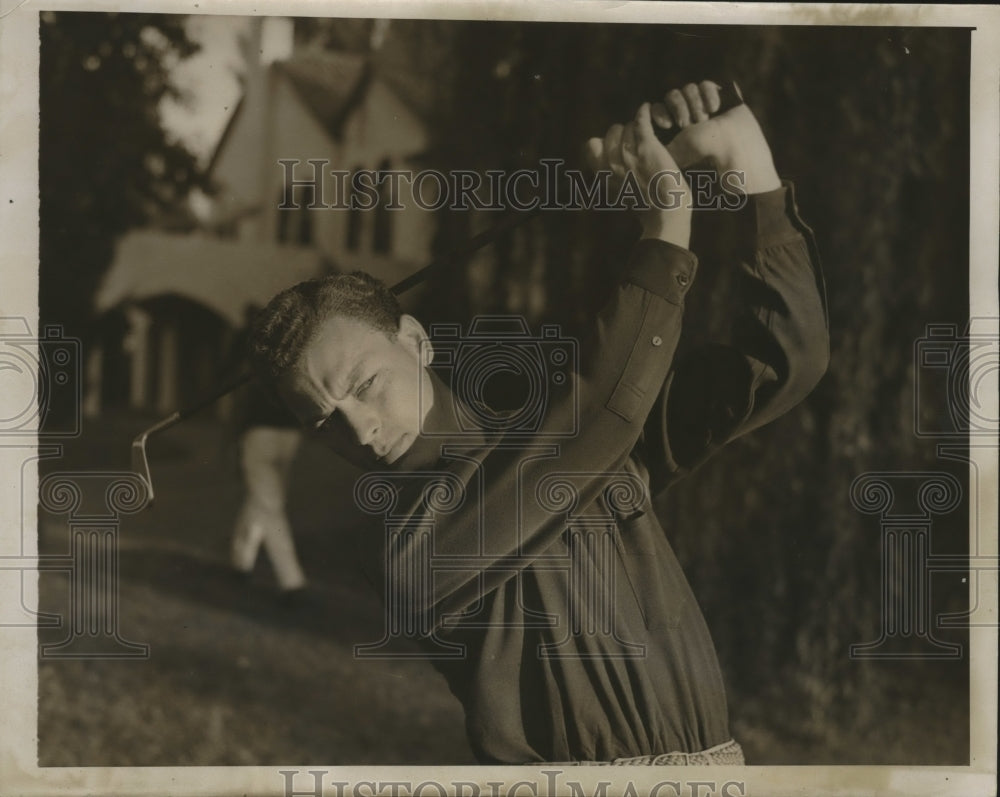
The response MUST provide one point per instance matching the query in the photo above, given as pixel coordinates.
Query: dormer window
(295, 225)
(382, 233)
(352, 238)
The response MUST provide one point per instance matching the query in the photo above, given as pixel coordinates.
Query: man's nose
(363, 422)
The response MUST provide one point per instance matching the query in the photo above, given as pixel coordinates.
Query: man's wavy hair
(291, 319)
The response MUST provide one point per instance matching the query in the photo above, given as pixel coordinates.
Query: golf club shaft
(475, 243)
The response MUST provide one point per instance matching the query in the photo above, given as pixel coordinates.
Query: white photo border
(19, 62)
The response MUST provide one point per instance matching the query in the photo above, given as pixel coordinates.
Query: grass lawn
(235, 678)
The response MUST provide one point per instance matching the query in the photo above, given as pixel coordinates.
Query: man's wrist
(744, 149)
(757, 174)
(759, 180)
(673, 227)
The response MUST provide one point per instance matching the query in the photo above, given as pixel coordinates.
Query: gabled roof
(329, 83)
(411, 87)
(225, 135)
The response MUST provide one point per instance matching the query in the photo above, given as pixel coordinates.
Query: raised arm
(779, 345)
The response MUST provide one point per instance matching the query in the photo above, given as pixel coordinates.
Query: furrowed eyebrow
(352, 381)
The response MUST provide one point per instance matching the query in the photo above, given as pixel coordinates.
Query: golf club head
(140, 467)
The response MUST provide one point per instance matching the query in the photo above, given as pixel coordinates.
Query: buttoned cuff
(662, 268)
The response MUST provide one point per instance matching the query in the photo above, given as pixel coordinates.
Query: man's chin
(363, 457)
(399, 448)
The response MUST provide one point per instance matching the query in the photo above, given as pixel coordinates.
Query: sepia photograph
(414, 399)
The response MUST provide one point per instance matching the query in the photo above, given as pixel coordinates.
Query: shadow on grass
(342, 610)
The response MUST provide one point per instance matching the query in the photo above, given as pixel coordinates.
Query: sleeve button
(682, 279)
(657, 340)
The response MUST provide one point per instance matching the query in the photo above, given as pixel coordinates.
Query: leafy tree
(105, 162)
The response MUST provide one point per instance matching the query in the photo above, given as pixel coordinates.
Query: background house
(174, 297)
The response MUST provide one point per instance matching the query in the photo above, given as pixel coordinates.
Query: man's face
(355, 385)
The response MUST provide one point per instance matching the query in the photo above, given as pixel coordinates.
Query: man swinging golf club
(546, 675)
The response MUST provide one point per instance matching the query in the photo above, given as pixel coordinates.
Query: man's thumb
(644, 124)
(593, 153)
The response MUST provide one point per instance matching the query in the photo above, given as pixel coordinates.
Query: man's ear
(413, 335)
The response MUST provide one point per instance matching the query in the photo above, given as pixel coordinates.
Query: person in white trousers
(266, 456)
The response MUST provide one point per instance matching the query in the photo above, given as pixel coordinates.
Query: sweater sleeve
(777, 351)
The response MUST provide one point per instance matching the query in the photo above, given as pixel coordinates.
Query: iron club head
(140, 464)
(140, 467)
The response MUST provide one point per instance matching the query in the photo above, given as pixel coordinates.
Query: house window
(295, 225)
(382, 235)
(305, 231)
(284, 223)
(353, 236)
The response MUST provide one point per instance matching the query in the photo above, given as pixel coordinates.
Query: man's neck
(449, 421)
